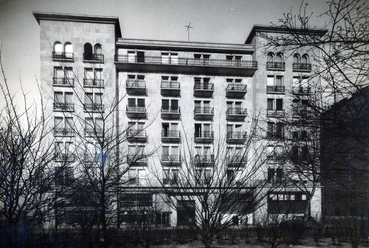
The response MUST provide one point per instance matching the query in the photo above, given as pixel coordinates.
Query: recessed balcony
(136, 87)
(171, 136)
(137, 160)
(205, 137)
(301, 67)
(275, 66)
(236, 90)
(170, 160)
(64, 107)
(63, 57)
(236, 161)
(136, 112)
(136, 135)
(236, 114)
(170, 88)
(93, 107)
(171, 114)
(236, 137)
(203, 113)
(203, 89)
(93, 132)
(276, 89)
(63, 82)
(204, 160)
(63, 132)
(93, 58)
(93, 83)
(275, 113)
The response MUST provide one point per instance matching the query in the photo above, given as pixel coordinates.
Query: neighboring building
(345, 157)
(167, 93)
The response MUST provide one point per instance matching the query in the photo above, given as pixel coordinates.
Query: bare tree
(26, 174)
(215, 189)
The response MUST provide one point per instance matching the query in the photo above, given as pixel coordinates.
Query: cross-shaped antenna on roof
(188, 30)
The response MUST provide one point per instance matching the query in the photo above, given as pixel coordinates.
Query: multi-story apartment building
(167, 95)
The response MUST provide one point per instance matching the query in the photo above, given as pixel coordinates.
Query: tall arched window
(98, 49)
(87, 55)
(296, 59)
(58, 48)
(270, 57)
(68, 49)
(279, 58)
(305, 59)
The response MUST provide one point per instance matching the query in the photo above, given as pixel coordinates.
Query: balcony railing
(236, 114)
(64, 157)
(93, 82)
(236, 137)
(280, 66)
(204, 137)
(170, 160)
(65, 107)
(62, 56)
(304, 67)
(275, 113)
(170, 136)
(236, 161)
(93, 107)
(63, 81)
(247, 64)
(301, 90)
(276, 89)
(93, 58)
(138, 160)
(203, 89)
(65, 132)
(136, 112)
(204, 160)
(93, 132)
(203, 113)
(169, 113)
(136, 87)
(170, 88)
(136, 135)
(236, 90)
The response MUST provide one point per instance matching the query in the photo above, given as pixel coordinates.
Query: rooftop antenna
(188, 31)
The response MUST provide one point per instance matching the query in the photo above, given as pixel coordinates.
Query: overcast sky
(220, 21)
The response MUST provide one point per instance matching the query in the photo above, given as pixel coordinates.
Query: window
(275, 176)
(136, 102)
(170, 130)
(279, 104)
(94, 126)
(93, 77)
(136, 155)
(169, 104)
(170, 176)
(68, 48)
(170, 154)
(63, 175)
(98, 49)
(201, 59)
(93, 102)
(275, 84)
(63, 151)
(62, 53)
(136, 177)
(185, 212)
(234, 60)
(63, 126)
(63, 76)
(63, 101)
(295, 153)
(169, 58)
(203, 130)
(58, 48)
(270, 104)
(275, 130)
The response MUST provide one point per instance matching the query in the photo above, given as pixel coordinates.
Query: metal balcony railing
(276, 89)
(170, 136)
(93, 107)
(93, 132)
(93, 82)
(137, 135)
(61, 131)
(63, 81)
(301, 67)
(204, 137)
(275, 65)
(275, 113)
(204, 160)
(247, 64)
(61, 106)
(62, 56)
(236, 137)
(170, 159)
(93, 58)
(170, 88)
(236, 90)
(236, 114)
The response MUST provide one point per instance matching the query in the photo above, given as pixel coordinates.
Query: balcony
(63, 57)
(93, 58)
(275, 113)
(186, 65)
(302, 112)
(170, 88)
(301, 90)
(64, 107)
(301, 67)
(204, 113)
(236, 161)
(170, 181)
(136, 135)
(236, 90)
(276, 89)
(204, 160)
(93, 107)
(137, 160)
(136, 112)
(204, 137)
(203, 89)
(170, 160)
(236, 137)
(136, 87)
(171, 136)
(63, 82)
(63, 132)
(171, 114)
(64, 157)
(93, 83)
(236, 114)
(275, 66)
(93, 132)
